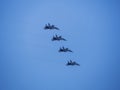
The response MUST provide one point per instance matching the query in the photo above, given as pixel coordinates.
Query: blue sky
(29, 60)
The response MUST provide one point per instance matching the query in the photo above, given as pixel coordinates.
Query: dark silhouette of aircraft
(50, 27)
(58, 38)
(72, 63)
(63, 49)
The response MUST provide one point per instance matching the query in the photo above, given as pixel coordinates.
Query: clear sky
(29, 60)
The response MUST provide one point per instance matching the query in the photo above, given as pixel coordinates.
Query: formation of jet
(50, 27)
(63, 49)
(72, 63)
(58, 38)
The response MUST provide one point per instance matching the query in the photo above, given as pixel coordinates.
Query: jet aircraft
(50, 27)
(63, 49)
(72, 63)
(58, 38)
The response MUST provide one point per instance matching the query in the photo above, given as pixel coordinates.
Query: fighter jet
(63, 49)
(50, 27)
(58, 38)
(72, 63)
